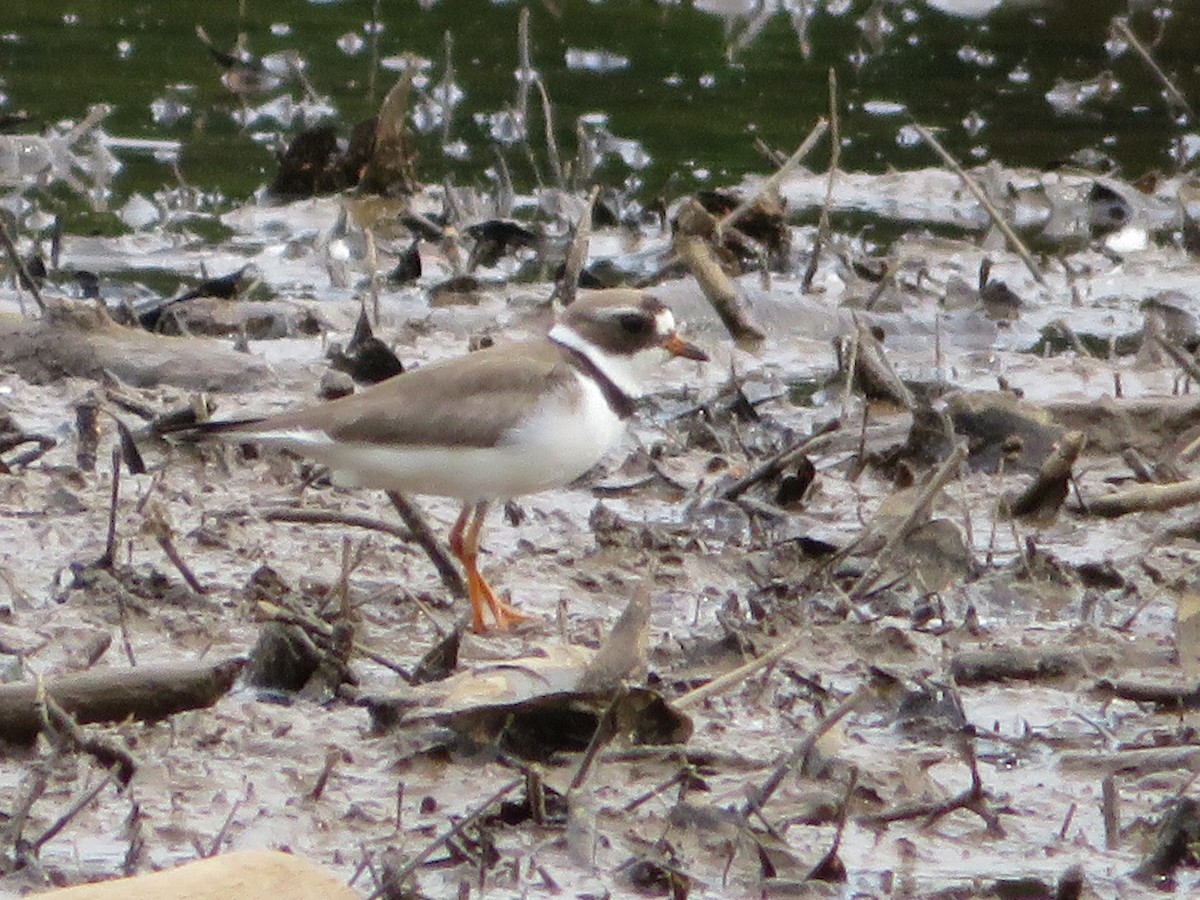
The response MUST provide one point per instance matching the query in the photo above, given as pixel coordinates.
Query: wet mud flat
(895, 596)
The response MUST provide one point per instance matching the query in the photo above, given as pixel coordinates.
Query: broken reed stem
(551, 144)
(577, 253)
(23, 277)
(372, 81)
(524, 66)
(1121, 24)
(851, 366)
(1073, 339)
(835, 155)
(735, 676)
(940, 478)
(1110, 808)
(977, 190)
(110, 544)
(772, 183)
(220, 838)
(33, 784)
(404, 873)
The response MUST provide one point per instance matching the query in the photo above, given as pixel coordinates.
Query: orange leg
(465, 547)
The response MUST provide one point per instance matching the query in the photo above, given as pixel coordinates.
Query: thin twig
(110, 544)
(1180, 357)
(939, 479)
(797, 756)
(835, 154)
(177, 560)
(551, 143)
(405, 872)
(603, 731)
(776, 463)
(323, 629)
(735, 676)
(772, 184)
(974, 187)
(429, 542)
(577, 253)
(1122, 25)
(23, 277)
(75, 809)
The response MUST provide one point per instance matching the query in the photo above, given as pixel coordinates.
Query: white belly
(553, 447)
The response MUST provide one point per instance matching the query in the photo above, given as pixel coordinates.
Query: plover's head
(620, 330)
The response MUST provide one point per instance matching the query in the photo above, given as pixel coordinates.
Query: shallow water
(674, 95)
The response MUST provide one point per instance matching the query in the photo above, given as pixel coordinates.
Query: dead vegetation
(898, 596)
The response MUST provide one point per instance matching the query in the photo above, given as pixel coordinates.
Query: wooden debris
(695, 228)
(1046, 493)
(1008, 663)
(390, 169)
(147, 693)
(81, 339)
(872, 373)
(1145, 498)
(1005, 432)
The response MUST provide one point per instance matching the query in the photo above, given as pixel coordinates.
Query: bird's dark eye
(634, 323)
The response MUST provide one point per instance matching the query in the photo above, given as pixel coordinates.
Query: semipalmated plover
(508, 420)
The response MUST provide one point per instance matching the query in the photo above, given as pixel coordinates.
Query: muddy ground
(951, 711)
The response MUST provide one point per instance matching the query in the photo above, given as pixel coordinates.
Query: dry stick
(848, 391)
(1111, 811)
(830, 856)
(939, 480)
(404, 873)
(116, 760)
(1145, 498)
(1180, 357)
(36, 780)
(1122, 25)
(551, 143)
(374, 55)
(772, 183)
(424, 536)
(835, 155)
(973, 186)
(76, 808)
(524, 65)
(655, 791)
(780, 461)
(717, 286)
(577, 254)
(1072, 338)
(172, 552)
(110, 544)
(217, 841)
(797, 756)
(1046, 493)
(735, 676)
(604, 730)
(329, 517)
(23, 277)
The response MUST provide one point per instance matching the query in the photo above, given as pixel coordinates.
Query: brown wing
(469, 401)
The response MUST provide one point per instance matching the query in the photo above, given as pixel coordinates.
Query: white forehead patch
(664, 323)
